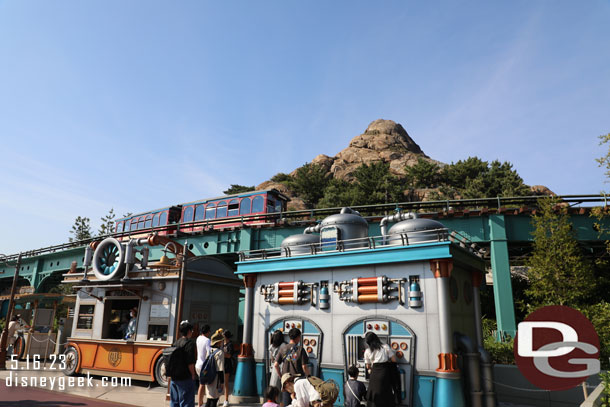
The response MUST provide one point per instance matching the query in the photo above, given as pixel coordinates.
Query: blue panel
(245, 384)
(337, 376)
(356, 329)
(423, 395)
(261, 379)
(448, 392)
(398, 329)
(278, 325)
(309, 328)
(390, 254)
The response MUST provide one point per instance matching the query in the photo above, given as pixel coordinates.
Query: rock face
(383, 140)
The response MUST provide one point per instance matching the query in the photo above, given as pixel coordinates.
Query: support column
(244, 388)
(448, 390)
(500, 266)
(477, 279)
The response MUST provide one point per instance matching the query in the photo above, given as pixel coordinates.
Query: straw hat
(217, 337)
(286, 377)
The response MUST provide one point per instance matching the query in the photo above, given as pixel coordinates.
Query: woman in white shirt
(384, 380)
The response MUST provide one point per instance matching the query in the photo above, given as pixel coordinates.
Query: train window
(134, 224)
(221, 212)
(244, 206)
(187, 215)
(148, 221)
(126, 227)
(155, 221)
(258, 204)
(278, 206)
(119, 227)
(233, 207)
(199, 212)
(163, 219)
(141, 222)
(210, 211)
(270, 205)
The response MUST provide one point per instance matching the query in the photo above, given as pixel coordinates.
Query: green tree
(107, 225)
(605, 160)
(424, 174)
(238, 189)
(309, 183)
(558, 271)
(457, 174)
(281, 178)
(81, 229)
(339, 193)
(375, 184)
(500, 179)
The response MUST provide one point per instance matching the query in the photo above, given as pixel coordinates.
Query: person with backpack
(203, 348)
(291, 358)
(181, 368)
(229, 354)
(212, 371)
(310, 392)
(277, 340)
(353, 390)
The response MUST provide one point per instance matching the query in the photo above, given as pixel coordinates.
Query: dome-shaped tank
(350, 225)
(417, 230)
(299, 244)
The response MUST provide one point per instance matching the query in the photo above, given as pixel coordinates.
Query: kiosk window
(116, 317)
(85, 316)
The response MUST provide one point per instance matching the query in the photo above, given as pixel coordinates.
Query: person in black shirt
(354, 391)
(182, 388)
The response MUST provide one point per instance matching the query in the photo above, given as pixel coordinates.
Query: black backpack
(175, 361)
(208, 370)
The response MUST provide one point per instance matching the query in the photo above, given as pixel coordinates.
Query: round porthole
(206, 245)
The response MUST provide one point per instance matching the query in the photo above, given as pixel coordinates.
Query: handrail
(309, 214)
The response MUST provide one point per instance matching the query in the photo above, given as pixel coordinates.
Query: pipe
(471, 365)
(368, 281)
(487, 374)
(394, 218)
(313, 229)
(286, 285)
(367, 289)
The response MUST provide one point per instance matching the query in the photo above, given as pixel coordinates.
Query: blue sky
(141, 104)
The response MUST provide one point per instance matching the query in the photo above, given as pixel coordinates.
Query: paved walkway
(51, 388)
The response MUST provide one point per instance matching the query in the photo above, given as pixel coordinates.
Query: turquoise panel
(423, 391)
(245, 384)
(356, 329)
(309, 328)
(391, 254)
(279, 324)
(448, 392)
(337, 376)
(261, 379)
(397, 329)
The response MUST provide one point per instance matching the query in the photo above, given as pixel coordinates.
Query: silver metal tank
(350, 226)
(417, 230)
(299, 244)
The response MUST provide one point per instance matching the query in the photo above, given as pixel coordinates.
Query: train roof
(243, 194)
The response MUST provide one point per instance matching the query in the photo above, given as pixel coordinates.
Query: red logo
(556, 348)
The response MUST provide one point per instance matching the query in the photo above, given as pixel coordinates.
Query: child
(271, 394)
(354, 391)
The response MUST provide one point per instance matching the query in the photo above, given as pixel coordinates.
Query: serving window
(85, 316)
(116, 317)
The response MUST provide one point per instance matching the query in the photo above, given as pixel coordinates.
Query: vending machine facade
(418, 296)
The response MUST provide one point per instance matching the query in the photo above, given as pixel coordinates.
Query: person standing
(229, 368)
(381, 363)
(130, 335)
(12, 330)
(291, 358)
(353, 390)
(203, 348)
(214, 389)
(182, 387)
(277, 340)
